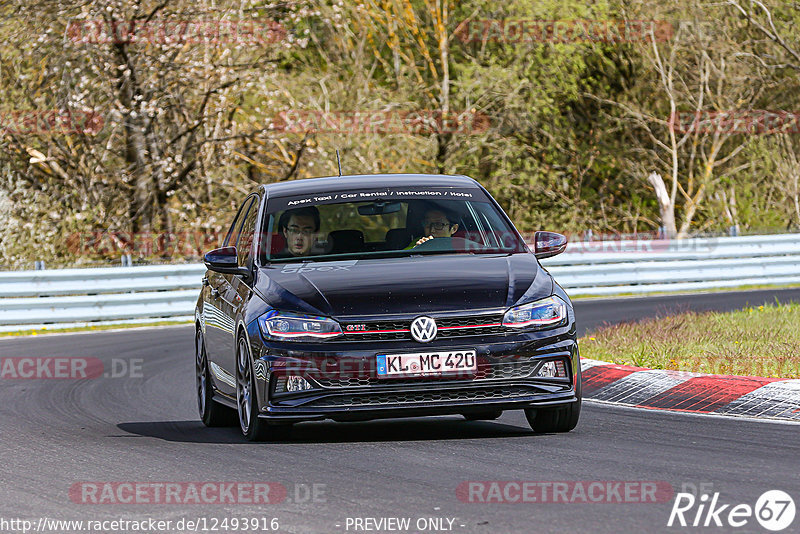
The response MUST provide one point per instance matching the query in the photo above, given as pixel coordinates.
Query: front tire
(253, 428)
(212, 413)
(561, 419)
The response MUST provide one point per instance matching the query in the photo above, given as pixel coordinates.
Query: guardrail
(74, 297)
(648, 266)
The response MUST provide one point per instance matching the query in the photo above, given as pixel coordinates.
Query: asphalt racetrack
(143, 427)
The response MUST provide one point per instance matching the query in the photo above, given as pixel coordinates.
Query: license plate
(426, 363)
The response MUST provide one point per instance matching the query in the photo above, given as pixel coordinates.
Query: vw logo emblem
(423, 329)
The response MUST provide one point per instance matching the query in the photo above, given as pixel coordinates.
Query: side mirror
(547, 244)
(224, 260)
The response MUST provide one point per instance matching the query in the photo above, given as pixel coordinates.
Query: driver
(436, 223)
(298, 226)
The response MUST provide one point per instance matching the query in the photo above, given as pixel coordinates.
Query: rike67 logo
(774, 510)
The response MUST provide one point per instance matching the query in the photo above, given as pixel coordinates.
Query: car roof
(361, 181)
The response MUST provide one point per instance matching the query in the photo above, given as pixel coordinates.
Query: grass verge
(575, 294)
(755, 341)
(94, 328)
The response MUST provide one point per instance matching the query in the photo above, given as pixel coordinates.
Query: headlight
(295, 327)
(543, 313)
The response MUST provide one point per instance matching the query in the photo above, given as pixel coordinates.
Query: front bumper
(366, 413)
(346, 387)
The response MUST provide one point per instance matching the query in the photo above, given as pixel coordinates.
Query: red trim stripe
(373, 331)
(440, 328)
(470, 326)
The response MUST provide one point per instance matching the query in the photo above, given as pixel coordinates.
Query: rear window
(385, 223)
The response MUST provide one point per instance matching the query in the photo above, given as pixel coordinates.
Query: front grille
(473, 331)
(415, 397)
(487, 371)
(449, 327)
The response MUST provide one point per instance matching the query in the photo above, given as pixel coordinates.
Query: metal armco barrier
(649, 266)
(57, 298)
(73, 297)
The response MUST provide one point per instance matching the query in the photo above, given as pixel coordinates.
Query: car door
(237, 290)
(218, 312)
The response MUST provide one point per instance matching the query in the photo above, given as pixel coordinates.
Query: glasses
(297, 230)
(437, 225)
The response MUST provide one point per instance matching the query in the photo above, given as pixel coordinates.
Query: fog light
(296, 383)
(291, 383)
(553, 369)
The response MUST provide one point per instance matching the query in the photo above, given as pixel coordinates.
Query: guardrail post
(126, 260)
(38, 265)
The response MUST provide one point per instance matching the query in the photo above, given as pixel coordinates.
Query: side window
(501, 235)
(244, 247)
(233, 233)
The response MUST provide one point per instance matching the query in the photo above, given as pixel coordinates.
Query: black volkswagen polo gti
(363, 297)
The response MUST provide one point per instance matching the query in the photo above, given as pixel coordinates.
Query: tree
(168, 81)
(676, 114)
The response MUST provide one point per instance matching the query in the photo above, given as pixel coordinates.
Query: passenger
(298, 226)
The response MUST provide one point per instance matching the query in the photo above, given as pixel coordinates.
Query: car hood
(400, 286)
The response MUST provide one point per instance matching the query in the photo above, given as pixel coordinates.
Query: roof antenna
(338, 162)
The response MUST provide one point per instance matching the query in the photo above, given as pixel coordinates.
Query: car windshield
(385, 223)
